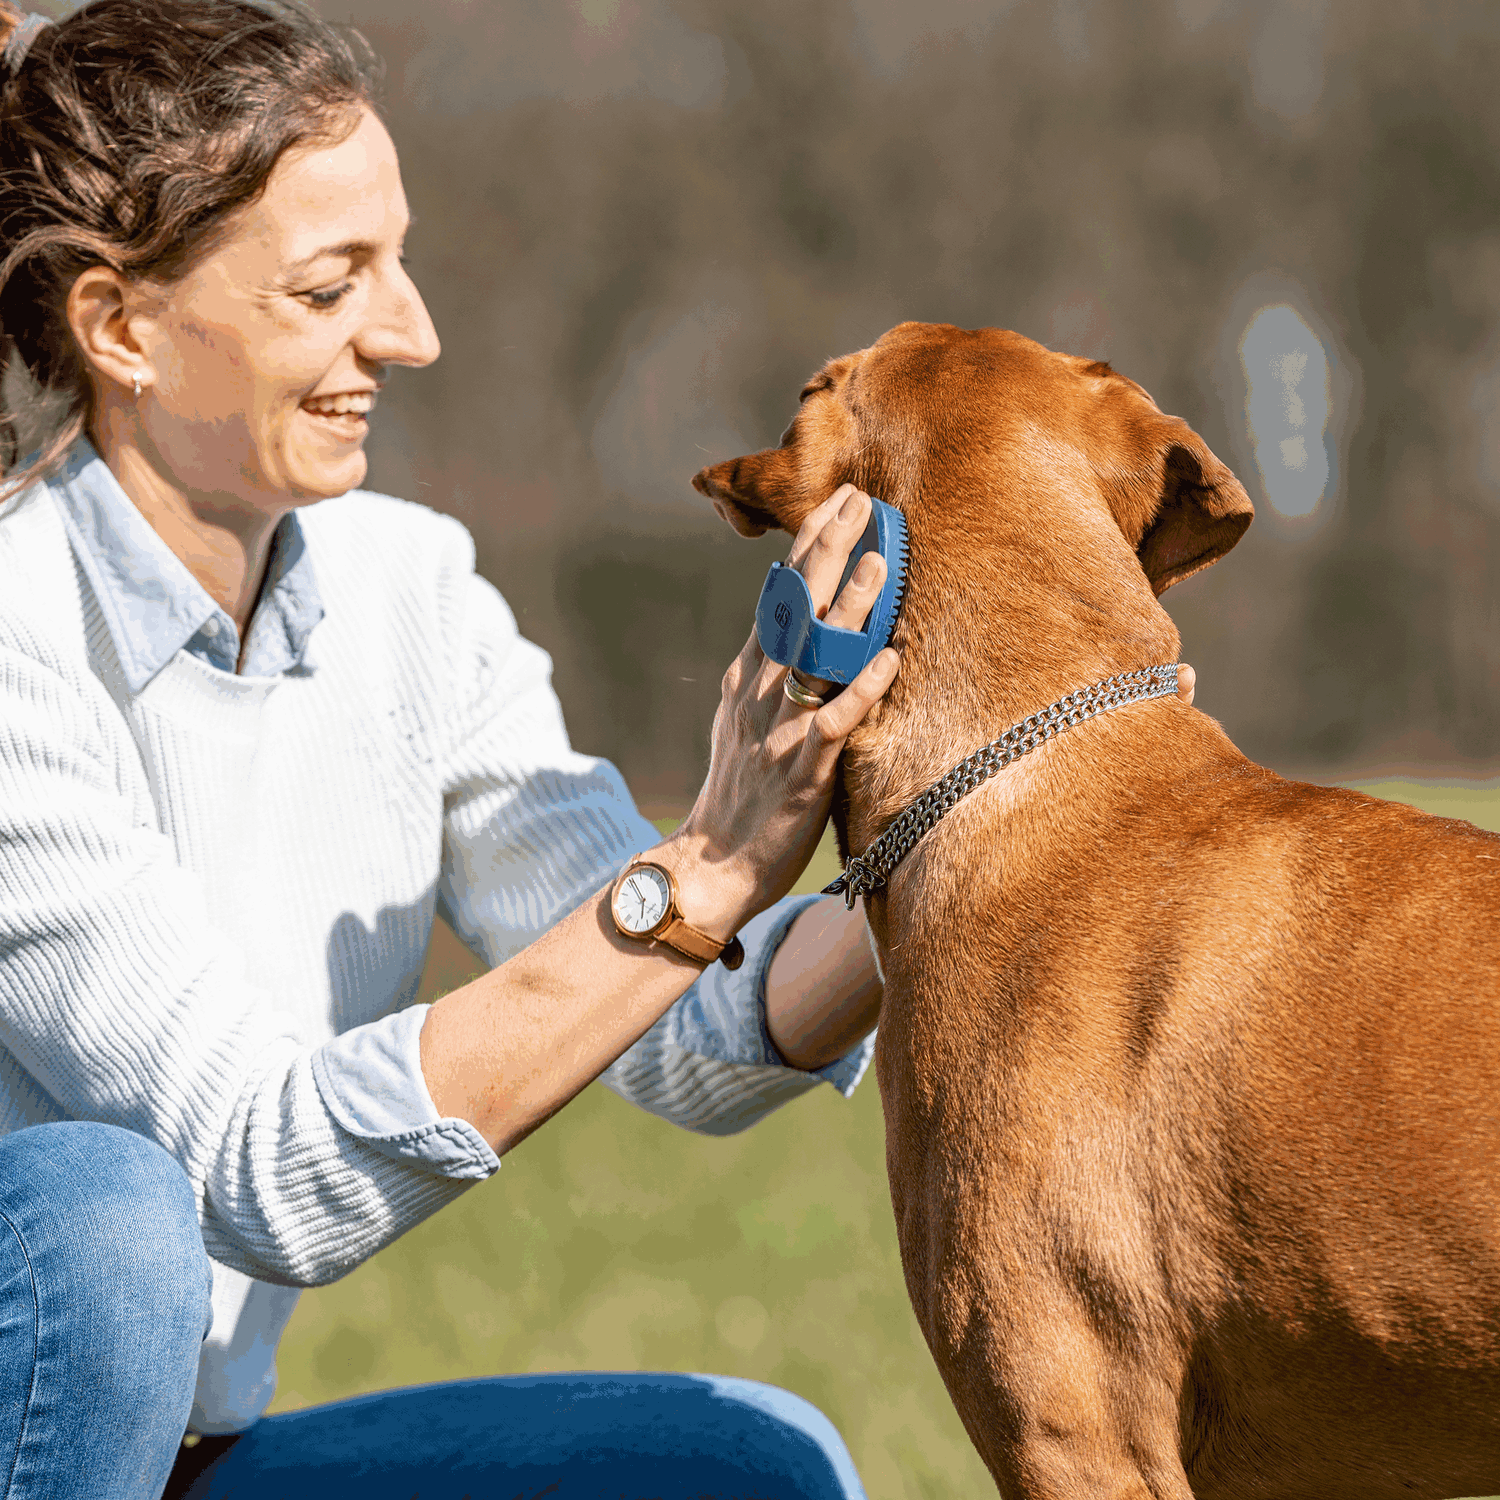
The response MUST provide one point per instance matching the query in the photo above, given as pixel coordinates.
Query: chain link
(867, 872)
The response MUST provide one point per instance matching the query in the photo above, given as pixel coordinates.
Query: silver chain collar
(867, 872)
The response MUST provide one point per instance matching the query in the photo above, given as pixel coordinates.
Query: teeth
(359, 402)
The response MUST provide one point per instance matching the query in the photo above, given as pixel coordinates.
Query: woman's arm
(508, 1050)
(822, 997)
(823, 992)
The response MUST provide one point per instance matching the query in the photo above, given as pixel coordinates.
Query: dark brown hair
(132, 134)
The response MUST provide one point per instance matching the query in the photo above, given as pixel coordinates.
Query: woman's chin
(323, 472)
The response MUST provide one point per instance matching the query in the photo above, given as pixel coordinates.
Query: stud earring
(136, 381)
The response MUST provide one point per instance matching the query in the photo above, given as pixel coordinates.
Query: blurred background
(642, 224)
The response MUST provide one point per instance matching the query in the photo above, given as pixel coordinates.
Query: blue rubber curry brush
(791, 633)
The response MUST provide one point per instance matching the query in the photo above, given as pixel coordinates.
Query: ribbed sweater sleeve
(125, 1005)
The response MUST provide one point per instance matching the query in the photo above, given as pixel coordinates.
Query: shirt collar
(151, 602)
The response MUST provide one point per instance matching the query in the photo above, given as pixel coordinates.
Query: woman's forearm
(509, 1049)
(823, 991)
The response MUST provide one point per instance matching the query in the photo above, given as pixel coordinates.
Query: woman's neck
(224, 545)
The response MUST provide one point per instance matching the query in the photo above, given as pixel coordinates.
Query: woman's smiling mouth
(344, 415)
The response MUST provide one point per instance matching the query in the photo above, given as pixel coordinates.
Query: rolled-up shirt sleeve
(533, 828)
(709, 1064)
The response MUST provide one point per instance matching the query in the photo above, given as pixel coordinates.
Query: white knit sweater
(216, 891)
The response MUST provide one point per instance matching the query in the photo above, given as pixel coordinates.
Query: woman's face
(299, 313)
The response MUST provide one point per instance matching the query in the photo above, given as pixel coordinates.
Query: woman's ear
(109, 329)
(1179, 507)
(751, 493)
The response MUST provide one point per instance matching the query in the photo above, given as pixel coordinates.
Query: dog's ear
(1179, 507)
(750, 492)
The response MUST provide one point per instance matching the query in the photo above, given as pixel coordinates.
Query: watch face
(641, 900)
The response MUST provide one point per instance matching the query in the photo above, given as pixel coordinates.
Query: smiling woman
(246, 272)
(263, 360)
(257, 727)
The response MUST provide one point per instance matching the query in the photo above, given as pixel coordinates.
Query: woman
(256, 727)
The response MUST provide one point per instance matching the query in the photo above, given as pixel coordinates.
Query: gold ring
(801, 696)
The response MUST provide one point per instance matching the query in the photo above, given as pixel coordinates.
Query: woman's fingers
(825, 541)
(817, 519)
(751, 657)
(831, 725)
(821, 553)
(850, 610)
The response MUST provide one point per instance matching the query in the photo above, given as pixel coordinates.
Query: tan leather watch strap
(686, 938)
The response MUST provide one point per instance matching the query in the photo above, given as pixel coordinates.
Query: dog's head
(1048, 503)
(988, 432)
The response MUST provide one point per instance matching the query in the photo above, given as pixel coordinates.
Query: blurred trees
(644, 222)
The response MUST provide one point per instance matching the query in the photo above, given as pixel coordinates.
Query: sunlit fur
(1188, 1071)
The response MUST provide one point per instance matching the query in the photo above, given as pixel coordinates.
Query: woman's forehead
(323, 199)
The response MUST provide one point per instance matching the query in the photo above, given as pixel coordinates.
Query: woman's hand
(770, 781)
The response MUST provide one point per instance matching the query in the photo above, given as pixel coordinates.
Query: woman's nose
(401, 331)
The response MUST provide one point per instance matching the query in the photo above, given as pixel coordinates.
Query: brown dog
(1188, 1071)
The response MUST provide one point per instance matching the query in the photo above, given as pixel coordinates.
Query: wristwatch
(644, 906)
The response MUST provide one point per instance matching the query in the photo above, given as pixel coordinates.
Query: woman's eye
(327, 298)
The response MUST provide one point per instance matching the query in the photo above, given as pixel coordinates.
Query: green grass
(610, 1240)
(1477, 802)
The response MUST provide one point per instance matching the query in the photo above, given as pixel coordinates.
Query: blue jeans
(567, 1437)
(104, 1302)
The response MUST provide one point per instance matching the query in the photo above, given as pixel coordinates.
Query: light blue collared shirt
(152, 603)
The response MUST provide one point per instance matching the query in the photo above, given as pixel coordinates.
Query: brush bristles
(901, 563)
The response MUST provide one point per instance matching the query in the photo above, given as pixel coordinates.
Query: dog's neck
(974, 664)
